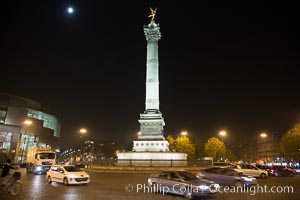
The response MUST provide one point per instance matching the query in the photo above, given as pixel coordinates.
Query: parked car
(281, 171)
(263, 167)
(221, 164)
(182, 183)
(227, 177)
(250, 170)
(67, 174)
(292, 169)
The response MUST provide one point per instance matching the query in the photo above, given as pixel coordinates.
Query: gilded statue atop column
(152, 14)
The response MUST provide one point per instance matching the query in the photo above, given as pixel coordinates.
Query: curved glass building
(25, 123)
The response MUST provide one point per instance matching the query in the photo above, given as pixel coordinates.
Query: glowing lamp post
(263, 136)
(26, 123)
(82, 132)
(222, 134)
(184, 133)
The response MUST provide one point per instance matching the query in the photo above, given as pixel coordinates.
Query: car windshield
(229, 172)
(72, 169)
(47, 156)
(187, 176)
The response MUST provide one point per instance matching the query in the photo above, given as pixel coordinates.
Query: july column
(152, 33)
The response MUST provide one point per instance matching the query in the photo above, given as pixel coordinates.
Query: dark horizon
(222, 65)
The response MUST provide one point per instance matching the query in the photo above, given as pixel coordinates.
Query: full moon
(70, 10)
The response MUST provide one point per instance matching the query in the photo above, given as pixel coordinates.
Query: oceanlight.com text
(254, 189)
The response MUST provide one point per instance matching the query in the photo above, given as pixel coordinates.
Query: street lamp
(222, 133)
(82, 132)
(184, 133)
(263, 136)
(26, 123)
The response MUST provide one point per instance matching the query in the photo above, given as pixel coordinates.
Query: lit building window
(49, 121)
(2, 115)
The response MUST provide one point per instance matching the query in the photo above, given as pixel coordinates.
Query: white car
(67, 174)
(250, 170)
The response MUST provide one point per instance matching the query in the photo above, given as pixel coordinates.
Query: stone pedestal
(152, 159)
(150, 145)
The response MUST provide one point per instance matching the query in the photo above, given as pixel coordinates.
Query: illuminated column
(151, 121)
(152, 34)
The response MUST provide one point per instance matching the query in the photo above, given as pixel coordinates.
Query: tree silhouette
(215, 148)
(290, 142)
(171, 141)
(182, 144)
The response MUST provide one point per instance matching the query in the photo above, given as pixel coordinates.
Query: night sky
(223, 65)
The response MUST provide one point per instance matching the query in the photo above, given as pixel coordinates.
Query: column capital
(152, 31)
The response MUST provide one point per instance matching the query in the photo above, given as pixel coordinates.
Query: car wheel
(154, 187)
(16, 189)
(188, 194)
(263, 175)
(150, 184)
(49, 179)
(66, 182)
(238, 184)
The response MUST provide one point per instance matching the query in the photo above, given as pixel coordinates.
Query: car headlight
(246, 178)
(203, 187)
(38, 168)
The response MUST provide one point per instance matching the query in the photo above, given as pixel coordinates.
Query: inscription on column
(152, 61)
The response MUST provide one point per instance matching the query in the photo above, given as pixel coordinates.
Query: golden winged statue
(152, 14)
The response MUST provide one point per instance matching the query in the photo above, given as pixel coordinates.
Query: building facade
(88, 151)
(268, 149)
(84, 153)
(16, 136)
